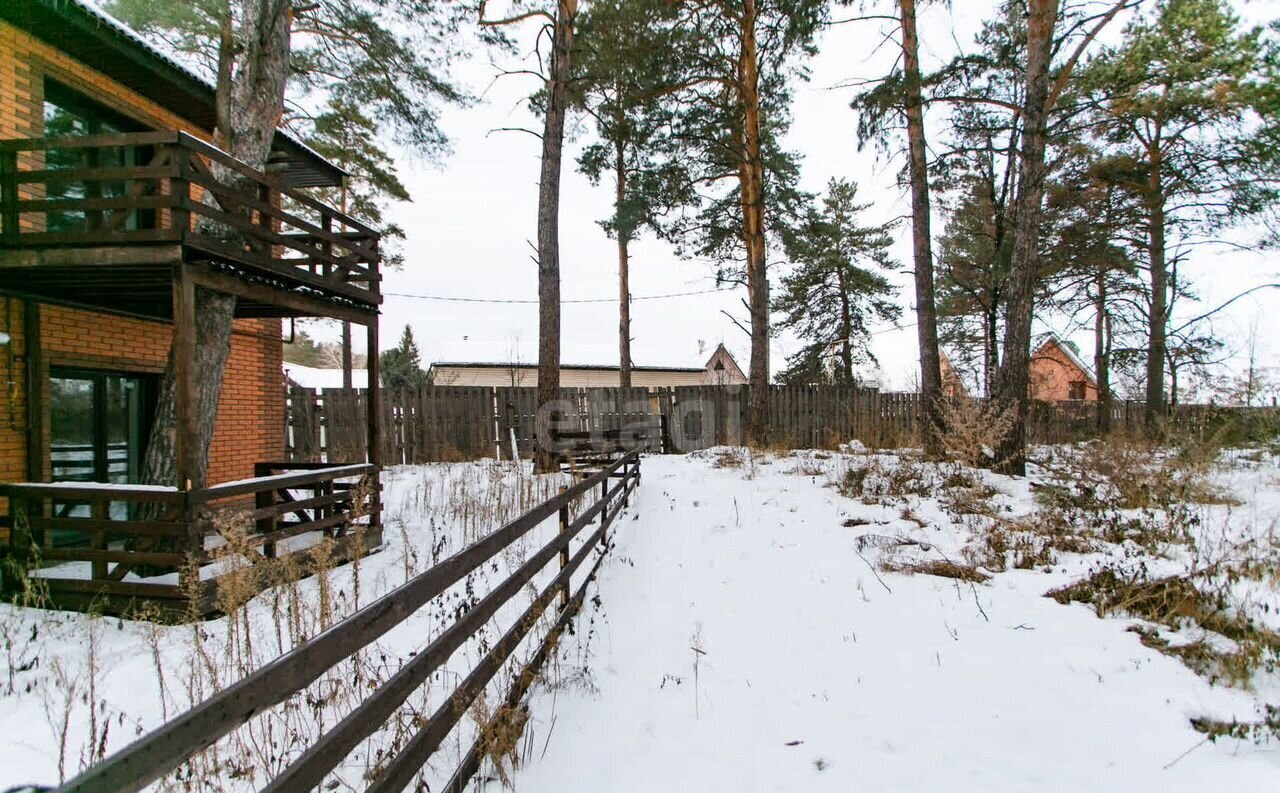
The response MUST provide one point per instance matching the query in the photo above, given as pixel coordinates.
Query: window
(1075, 390)
(98, 424)
(68, 113)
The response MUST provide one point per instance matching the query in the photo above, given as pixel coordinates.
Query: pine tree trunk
(248, 111)
(549, 232)
(1156, 342)
(624, 285)
(846, 331)
(1102, 352)
(991, 337)
(1013, 388)
(922, 251)
(751, 190)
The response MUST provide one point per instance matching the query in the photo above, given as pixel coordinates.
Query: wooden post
(186, 440)
(604, 497)
(186, 429)
(373, 419)
(564, 552)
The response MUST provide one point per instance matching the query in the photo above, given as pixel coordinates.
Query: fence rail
(155, 754)
(449, 423)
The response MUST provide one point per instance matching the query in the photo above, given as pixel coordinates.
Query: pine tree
(401, 366)
(734, 61)
(1190, 101)
(836, 290)
(258, 52)
(622, 78)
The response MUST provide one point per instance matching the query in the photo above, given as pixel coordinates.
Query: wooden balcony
(163, 552)
(104, 222)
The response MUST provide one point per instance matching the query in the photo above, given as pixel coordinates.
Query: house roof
(585, 367)
(90, 35)
(594, 367)
(1054, 340)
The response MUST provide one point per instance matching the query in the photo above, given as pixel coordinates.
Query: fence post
(564, 552)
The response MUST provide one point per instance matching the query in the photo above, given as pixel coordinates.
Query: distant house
(1058, 374)
(720, 369)
(953, 386)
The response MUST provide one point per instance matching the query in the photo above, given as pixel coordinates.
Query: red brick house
(1058, 374)
(104, 173)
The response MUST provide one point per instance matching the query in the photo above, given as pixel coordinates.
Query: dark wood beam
(97, 256)
(305, 305)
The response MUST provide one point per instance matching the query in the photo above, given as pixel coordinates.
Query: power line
(449, 299)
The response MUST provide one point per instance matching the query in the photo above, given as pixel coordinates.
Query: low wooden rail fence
(79, 541)
(152, 756)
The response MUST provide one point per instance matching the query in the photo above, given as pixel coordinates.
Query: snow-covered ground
(744, 634)
(745, 643)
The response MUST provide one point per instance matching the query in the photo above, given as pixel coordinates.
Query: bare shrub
(974, 429)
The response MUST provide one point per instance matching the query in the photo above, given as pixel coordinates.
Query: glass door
(97, 432)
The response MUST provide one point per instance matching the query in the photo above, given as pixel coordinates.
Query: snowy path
(814, 677)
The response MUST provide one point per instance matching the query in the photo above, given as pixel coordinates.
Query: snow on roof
(314, 377)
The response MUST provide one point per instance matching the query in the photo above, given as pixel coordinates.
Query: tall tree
(899, 98)
(735, 59)
(559, 26)
(352, 51)
(1089, 222)
(836, 289)
(622, 77)
(1188, 98)
(1047, 34)
(253, 63)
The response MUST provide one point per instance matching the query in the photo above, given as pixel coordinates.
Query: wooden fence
(157, 753)
(447, 423)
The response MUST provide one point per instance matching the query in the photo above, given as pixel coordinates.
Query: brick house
(1058, 374)
(104, 175)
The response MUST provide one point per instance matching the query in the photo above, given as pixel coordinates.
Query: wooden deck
(161, 552)
(79, 228)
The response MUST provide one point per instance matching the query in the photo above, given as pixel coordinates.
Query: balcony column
(186, 438)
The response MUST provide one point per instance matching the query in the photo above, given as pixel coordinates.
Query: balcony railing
(159, 187)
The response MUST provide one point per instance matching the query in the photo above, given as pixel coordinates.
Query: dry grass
(943, 568)
(1199, 599)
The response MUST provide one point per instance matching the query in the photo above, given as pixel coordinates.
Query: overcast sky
(472, 223)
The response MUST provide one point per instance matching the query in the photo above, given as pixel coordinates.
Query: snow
(741, 637)
(313, 377)
(745, 644)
